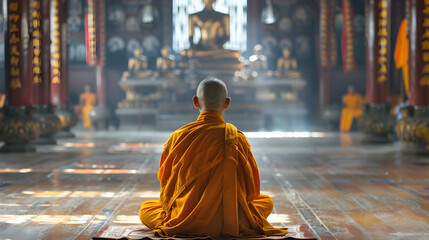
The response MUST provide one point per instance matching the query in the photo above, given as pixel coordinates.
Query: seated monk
(87, 102)
(209, 179)
(352, 103)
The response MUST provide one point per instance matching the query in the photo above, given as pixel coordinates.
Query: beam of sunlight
(84, 165)
(75, 194)
(101, 171)
(79, 145)
(55, 219)
(127, 219)
(141, 145)
(147, 194)
(285, 134)
(49, 219)
(278, 218)
(15, 219)
(85, 218)
(12, 170)
(137, 148)
(48, 193)
(269, 193)
(28, 205)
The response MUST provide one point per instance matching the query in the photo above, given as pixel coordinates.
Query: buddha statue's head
(209, 3)
(165, 51)
(286, 53)
(138, 52)
(257, 50)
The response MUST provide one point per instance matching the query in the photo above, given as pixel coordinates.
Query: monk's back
(209, 185)
(191, 151)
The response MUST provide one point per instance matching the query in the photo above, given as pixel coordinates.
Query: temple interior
(333, 96)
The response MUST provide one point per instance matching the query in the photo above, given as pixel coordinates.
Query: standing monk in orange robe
(352, 103)
(209, 179)
(401, 53)
(87, 101)
(2, 103)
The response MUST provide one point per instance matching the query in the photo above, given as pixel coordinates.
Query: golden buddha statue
(215, 32)
(166, 64)
(287, 66)
(137, 66)
(258, 61)
(245, 73)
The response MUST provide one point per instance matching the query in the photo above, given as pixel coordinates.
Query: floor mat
(142, 232)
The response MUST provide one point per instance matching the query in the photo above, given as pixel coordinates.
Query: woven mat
(142, 232)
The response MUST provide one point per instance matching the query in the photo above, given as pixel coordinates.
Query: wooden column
(56, 73)
(418, 32)
(413, 128)
(377, 50)
(46, 45)
(37, 47)
(328, 50)
(59, 78)
(167, 22)
(376, 123)
(100, 51)
(324, 52)
(64, 90)
(17, 52)
(23, 74)
(101, 113)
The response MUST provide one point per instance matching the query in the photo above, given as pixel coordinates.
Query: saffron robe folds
(351, 110)
(209, 185)
(2, 100)
(401, 53)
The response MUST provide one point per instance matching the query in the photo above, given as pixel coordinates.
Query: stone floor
(340, 188)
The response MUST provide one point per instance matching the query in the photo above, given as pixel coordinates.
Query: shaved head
(212, 94)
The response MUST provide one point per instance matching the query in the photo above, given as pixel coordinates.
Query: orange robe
(351, 111)
(2, 99)
(88, 99)
(209, 185)
(401, 53)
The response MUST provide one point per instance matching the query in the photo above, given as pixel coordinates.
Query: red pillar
(59, 52)
(418, 32)
(17, 51)
(24, 53)
(45, 86)
(328, 50)
(56, 73)
(100, 51)
(377, 50)
(376, 123)
(64, 91)
(413, 128)
(59, 80)
(23, 64)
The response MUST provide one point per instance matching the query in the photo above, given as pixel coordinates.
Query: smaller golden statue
(166, 65)
(258, 61)
(287, 66)
(137, 66)
(245, 73)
